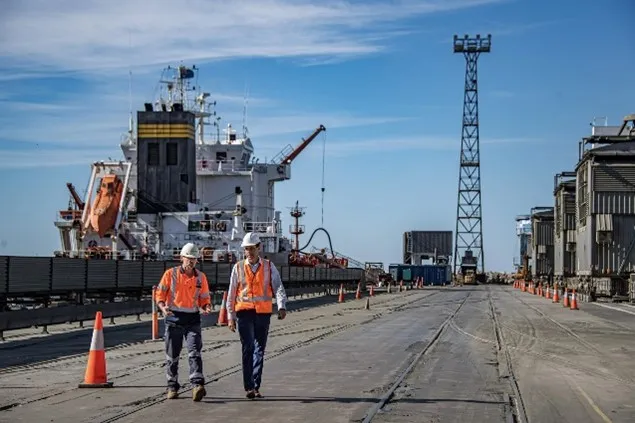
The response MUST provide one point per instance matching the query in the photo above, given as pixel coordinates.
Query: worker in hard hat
(182, 293)
(249, 307)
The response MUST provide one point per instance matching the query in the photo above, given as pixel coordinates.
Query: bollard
(155, 316)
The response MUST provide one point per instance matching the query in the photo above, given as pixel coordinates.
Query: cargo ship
(178, 182)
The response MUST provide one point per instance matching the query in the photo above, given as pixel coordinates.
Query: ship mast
(296, 229)
(179, 87)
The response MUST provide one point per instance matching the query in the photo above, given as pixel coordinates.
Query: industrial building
(587, 240)
(564, 226)
(425, 245)
(542, 243)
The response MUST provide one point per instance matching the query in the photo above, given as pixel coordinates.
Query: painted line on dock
(615, 308)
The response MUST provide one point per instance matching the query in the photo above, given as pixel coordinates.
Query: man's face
(188, 263)
(251, 252)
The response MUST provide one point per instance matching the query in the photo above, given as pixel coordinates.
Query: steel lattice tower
(469, 224)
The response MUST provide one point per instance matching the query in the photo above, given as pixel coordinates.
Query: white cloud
(337, 148)
(95, 35)
(101, 40)
(38, 158)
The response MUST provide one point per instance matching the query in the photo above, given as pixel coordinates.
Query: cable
(323, 165)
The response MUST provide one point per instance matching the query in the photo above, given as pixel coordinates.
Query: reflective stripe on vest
(173, 293)
(245, 299)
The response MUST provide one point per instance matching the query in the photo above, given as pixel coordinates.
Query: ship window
(221, 156)
(153, 154)
(172, 158)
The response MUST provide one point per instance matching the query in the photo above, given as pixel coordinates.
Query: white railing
(260, 227)
(219, 166)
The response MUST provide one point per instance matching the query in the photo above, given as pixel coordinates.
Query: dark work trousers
(253, 329)
(174, 335)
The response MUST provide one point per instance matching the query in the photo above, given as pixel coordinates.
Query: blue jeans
(253, 329)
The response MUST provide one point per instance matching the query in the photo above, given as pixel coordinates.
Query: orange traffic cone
(556, 297)
(358, 294)
(574, 301)
(565, 300)
(95, 376)
(548, 295)
(222, 314)
(341, 298)
(372, 291)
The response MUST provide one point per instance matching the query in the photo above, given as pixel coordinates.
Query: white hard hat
(189, 250)
(250, 238)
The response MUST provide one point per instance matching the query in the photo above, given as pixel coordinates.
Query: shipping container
(436, 274)
(432, 274)
(401, 272)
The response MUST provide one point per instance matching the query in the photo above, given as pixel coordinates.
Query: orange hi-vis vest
(183, 293)
(254, 290)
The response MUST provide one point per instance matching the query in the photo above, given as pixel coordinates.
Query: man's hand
(232, 325)
(165, 310)
(282, 313)
(207, 309)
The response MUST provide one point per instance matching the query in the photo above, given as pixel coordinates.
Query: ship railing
(260, 227)
(104, 253)
(220, 166)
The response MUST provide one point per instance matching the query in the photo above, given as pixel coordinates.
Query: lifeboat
(105, 208)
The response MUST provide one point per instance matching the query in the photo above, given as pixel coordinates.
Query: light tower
(468, 245)
(296, 229)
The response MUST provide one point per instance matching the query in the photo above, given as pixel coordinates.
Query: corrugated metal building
(605, 208)
(564, 225)
(542, 219)
(418, 245)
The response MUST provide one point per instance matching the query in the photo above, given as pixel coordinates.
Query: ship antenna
(245, 111)
(130, 122)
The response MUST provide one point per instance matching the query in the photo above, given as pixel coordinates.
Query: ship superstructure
(176, 184)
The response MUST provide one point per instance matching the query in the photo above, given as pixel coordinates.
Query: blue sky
(381, 76)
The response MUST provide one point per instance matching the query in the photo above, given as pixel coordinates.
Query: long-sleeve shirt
(276, 287)
(180, 293)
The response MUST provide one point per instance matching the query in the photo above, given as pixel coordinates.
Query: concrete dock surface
(438, 354)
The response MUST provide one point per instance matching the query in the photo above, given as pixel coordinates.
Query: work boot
(172, 393)
(198, 393)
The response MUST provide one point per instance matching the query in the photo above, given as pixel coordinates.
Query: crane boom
(76, 198)
(305, 142)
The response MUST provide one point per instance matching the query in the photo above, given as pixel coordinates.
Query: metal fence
(37, 276)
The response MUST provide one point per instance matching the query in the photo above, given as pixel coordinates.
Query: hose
(327, 235)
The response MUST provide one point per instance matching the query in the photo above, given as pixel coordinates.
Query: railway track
(605, 373)
(552, 358)
(378, 406)
(217, 376)
(516, 401)
(216, 347)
